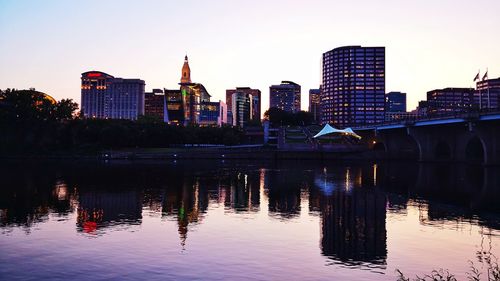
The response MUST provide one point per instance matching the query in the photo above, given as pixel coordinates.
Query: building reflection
(353, 230)
(185, 202)
(98, 209)
(28, 196)
(350, 199)
(283, 191)
(242, 192)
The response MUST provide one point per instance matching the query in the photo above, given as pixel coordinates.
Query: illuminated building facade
(314, 104)
(191, 103)
(154, 103)
(395, 107)
(285, 96)
(241, 108)
(193, 95)
(212, 113)
(449, 101)
(104, 96)
(256, 100)
(395, 102)
(487, 94)
(353, 88)
(174, 110)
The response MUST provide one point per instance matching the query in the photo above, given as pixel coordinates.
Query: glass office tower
(353, 88)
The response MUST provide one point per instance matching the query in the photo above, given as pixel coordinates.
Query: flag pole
(488, 88)
(480, 95)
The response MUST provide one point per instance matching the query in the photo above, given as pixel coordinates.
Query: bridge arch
(409, 147)
(442, 151)
(475, 150)
(399, 144)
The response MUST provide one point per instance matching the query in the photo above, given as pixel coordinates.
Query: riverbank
(252, 152)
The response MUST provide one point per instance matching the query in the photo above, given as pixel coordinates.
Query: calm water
(244, 220)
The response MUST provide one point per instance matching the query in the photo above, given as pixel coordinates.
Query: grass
(492, 273)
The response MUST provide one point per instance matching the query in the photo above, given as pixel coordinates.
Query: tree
(31, 120)
(279, 117)
(65, 110)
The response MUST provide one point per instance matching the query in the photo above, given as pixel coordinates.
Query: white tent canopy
(331, 130)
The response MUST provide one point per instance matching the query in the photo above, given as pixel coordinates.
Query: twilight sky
(429, 44)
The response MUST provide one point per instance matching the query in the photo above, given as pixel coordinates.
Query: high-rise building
(174, 110)
(285, 96)
(241, 108)
(154, 102)
(395, 102)
(353, 88)
(487, 93)
(449, 101)
(395, 107)
(314, 104)
(256, 99)
(104, 96)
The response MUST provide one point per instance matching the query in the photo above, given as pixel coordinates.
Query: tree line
(31, 122)
(279, 117)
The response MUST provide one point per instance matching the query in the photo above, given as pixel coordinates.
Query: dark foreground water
(244, 220)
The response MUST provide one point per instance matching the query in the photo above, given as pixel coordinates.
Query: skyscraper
(256, 98)
(285, 96)
(241, 108)
(353, 88)
(314, 104)
(395, 102)
(104, 96)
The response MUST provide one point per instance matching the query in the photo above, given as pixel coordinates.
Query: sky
(429, 44)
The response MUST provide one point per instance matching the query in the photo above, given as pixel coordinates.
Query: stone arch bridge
(468, 137)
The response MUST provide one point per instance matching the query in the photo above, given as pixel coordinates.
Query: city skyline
(48, 45)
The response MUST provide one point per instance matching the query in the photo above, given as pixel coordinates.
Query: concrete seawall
(241, 154)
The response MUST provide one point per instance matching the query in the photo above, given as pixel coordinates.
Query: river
(245, 220)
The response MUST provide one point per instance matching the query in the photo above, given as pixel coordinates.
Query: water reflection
(98, 209)
(182, 202)
(241, 192)
(283, 191)
(353, 230)
(351, 201)
(443, 192)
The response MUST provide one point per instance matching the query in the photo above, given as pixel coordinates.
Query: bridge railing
(410, 120)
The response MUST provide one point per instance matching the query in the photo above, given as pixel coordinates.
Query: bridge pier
(472, 139)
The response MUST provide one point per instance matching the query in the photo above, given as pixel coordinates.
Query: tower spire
(186, 71)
